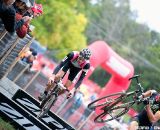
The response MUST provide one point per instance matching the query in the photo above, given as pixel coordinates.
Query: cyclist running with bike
(150, 114)
(74, 62)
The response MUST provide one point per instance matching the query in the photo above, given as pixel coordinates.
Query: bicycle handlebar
(138, 83)
(135, 77)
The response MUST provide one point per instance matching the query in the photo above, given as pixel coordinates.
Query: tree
(61, 27)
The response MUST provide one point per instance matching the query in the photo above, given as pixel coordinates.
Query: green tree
(61, 28)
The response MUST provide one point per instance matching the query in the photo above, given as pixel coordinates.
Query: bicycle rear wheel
(106, 100)
(114, 112)
(48, 104)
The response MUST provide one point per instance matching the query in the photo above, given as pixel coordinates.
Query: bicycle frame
(135, 100)
(51, 98)
(58, 87)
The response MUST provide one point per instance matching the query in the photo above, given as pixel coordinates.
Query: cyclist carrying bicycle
(75, 62)
(150, 114)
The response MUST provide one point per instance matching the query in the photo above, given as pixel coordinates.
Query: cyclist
(74, 62)
(150, 114)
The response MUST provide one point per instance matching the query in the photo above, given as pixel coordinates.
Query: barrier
(10, 45)
(33, 107)
(19, 46)
(19, 117)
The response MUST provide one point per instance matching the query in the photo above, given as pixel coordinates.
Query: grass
(5, 125)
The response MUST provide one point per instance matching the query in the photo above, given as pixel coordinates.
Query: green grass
(5, 125)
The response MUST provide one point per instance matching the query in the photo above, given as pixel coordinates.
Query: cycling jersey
(142, 117)
(71, 63)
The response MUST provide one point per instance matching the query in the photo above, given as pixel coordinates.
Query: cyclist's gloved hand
(146, 102)
(151, 100)
(71, 93)
(51, 80)
(140, 97)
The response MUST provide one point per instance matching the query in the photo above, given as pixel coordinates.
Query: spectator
(37, 10)
(30, 57)
(78, 100)
(21, 7)
(23, 30)
(7, 14)
(26, 8)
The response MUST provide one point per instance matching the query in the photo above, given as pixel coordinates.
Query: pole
(20, 74)
(85, 121)
(17, 59)
(61, 107)
(33, 78)
(3, 34)
(5, 56)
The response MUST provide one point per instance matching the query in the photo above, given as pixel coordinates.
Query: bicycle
(115, 105)
(51, 98)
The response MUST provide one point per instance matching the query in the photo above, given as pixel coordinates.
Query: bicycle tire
(125, 107)
(44, 101)
(93, 105)
(49, 103)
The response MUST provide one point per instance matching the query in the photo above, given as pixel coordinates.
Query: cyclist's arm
(152, 117)
(63, 62)
(83, 74)
(148, 93)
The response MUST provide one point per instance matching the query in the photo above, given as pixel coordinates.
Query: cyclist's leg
(67, 85)
(50, 86)
(56, 78)
(73, 73)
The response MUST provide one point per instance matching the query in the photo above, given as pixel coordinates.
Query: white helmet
(85, 53)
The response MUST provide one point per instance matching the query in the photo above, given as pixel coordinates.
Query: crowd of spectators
(16, 15)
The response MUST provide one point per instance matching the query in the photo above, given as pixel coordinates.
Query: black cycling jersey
(70, 63)
(142, 117)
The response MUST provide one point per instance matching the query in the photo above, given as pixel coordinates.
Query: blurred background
(129, 27)
(72, 25)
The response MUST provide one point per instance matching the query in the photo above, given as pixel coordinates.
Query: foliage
(5, 125)
(99, 72)
(61, 27)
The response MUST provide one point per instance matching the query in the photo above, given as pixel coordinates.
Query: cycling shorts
(73, 71)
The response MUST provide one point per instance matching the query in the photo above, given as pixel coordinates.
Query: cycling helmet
(85, 53)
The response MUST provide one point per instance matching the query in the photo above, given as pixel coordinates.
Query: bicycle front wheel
(114, 112)
(47, 105)
(106, 100)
